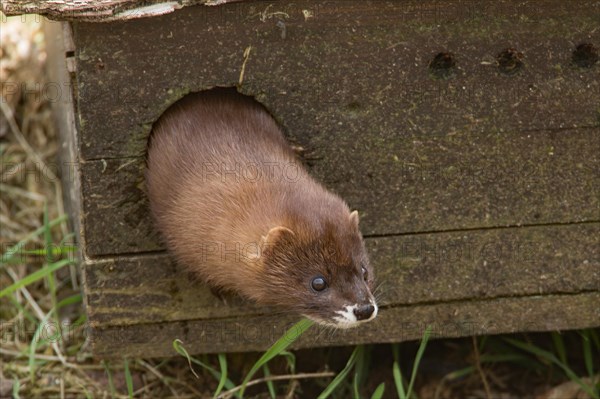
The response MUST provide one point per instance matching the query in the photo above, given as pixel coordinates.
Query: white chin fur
(346, 318)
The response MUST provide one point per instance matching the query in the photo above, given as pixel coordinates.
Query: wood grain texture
(412, 269)
(439, 184)
(353, 71)
(402, 323)
(352, 86)
(478, 192)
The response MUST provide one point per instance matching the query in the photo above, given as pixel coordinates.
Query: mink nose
(363, 312)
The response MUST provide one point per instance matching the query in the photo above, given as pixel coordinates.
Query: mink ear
(274, 236)
(354, 218)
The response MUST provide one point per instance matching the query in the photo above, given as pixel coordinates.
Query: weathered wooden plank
(98, 10)
(115, 205)
(413, 153)
(342, 72)
(412, 269)
(395, 324)
(454, 182)
(443, 170)
(62, 82)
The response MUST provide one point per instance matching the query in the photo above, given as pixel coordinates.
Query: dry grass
(29, 183)
(27, 151)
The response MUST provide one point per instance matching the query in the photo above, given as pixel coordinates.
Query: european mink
(236, 207)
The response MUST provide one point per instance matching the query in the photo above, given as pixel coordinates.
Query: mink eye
(365, 273)
(318, 283)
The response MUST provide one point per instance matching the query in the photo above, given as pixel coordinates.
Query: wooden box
(466, 133)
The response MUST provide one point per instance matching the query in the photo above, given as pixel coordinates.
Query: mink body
(236, 206)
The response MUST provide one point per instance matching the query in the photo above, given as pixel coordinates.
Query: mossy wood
(477, 185)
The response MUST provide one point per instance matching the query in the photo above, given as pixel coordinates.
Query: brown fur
(241, 228)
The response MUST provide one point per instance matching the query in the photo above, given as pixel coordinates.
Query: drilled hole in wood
(510, 61)
(442, 65)
(585, 55)
(353, 106)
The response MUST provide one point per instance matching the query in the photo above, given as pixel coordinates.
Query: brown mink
(236, 207)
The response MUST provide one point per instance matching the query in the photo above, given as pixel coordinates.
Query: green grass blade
(88, 394)
(47, 231)
(379, 391)
(111, 383)
(59, 251)
(587, 353)
(559, 346)
(42, 326)
(128, 379)
(342, 374)
(55, 251)
(420, 352)
(361, 371)
(460, 373)
(10, 253)
(398, 380)
(482, 342)
(23, 310)
(270, 385)
(48, 261)
(595, 338)
(286, 340)
(357, 375)
(228, 383)
(500, 346)
(37, 275)
(178, 346)
(73, 299)
(290, 359)
(16, 388)
(553, 359)
(80, 320)
(223, 379)
(66, 237)
(355, 386)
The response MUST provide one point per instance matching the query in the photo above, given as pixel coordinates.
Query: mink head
(322, 274)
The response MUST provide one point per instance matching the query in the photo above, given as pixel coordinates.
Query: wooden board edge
(100, 11)
(61, 86)
(397, 324)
